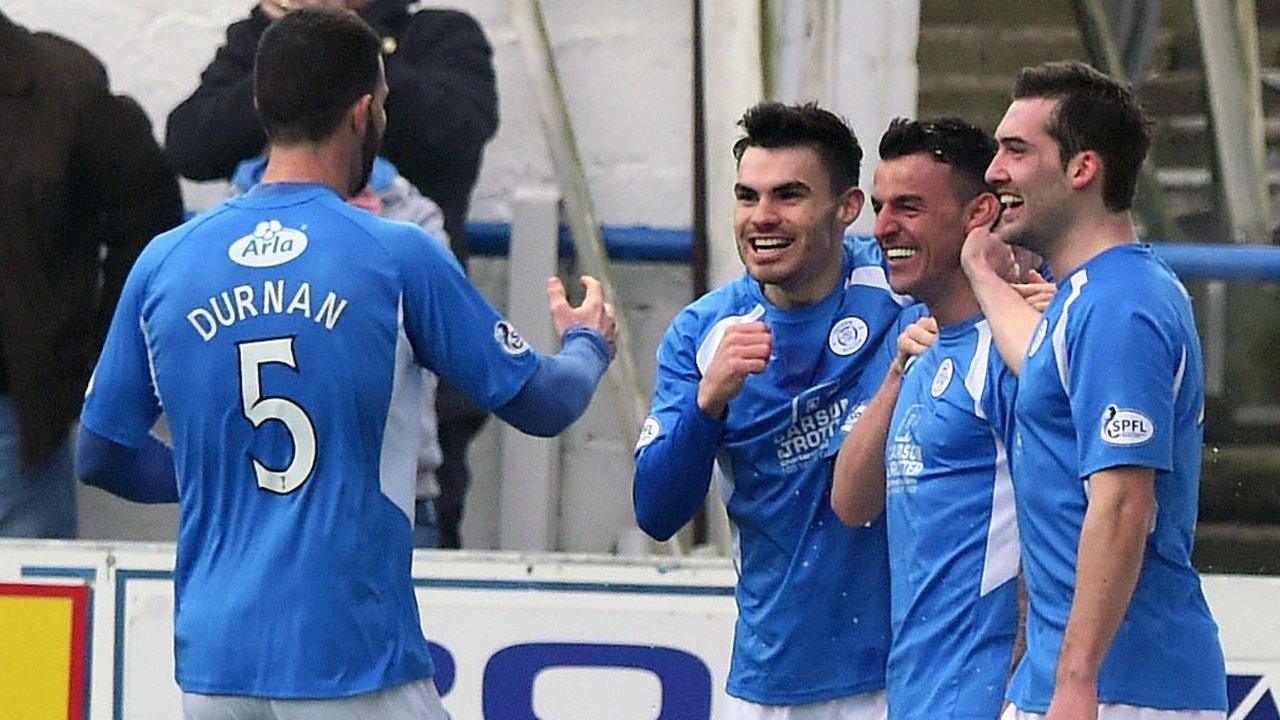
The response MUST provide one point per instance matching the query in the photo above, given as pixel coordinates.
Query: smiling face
(1027, 173)
(790, 224)
(920, 225)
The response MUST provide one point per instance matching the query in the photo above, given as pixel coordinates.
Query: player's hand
(276, 9)
(984, 252)
(1037, 291)
(914, 340)
(1074, 701)
(594, 312)
(744, 350)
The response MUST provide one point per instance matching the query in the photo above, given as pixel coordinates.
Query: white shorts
(1111, 711)
(417, 700)
(867, 706)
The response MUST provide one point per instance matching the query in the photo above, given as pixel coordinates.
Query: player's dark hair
(310, 66)
(1095, 112)
(967, 149)
(775, 125)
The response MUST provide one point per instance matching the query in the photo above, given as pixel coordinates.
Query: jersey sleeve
(121, 403)
(678, 443)
(1121, 370)
(453, 329)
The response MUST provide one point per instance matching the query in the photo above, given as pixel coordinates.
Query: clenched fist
(744, 350)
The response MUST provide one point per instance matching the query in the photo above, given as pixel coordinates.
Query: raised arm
(988, 262)
(682, 435)
(858, 485)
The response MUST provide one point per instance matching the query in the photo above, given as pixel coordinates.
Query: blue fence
(1189, 260)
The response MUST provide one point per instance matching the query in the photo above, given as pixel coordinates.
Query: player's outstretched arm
(144, 474)
(989, 265)
(561, 387)
(1112, 540)
(858, 485)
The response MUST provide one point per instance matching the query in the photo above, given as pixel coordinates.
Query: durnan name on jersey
(272, 298)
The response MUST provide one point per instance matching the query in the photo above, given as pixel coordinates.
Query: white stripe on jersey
(1060, 330)
(707, 350)
(1177, 377)
(402, 435)
(1001, 560)
(975, 381)
(873, 276)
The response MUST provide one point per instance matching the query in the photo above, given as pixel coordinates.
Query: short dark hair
(1095, 112)
(310, 66)
(967, 149)
(775, 125)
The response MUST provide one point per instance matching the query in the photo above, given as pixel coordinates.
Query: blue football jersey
(1113, 377)
(953, 537)
(813, 596)
(282, 335)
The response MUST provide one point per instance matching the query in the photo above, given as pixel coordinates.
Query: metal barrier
(653, 244)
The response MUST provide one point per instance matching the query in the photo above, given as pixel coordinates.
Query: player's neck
(1088, 237)
(789, 296)
(954, 303)
(307, 163)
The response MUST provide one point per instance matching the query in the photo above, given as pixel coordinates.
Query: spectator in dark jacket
(441, 110)
(85, 186)
(442, 107)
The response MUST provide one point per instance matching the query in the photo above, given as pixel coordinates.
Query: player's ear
(1084, 168)
(980, 211)
(851, 201)
(361, 113)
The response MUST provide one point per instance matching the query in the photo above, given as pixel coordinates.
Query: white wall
(626, 69)
(626, 73)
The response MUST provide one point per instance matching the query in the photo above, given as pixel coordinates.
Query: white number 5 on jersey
(259, 409)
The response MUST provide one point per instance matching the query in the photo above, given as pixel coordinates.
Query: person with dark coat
(85, 187)
(441, 110)
(442, 107)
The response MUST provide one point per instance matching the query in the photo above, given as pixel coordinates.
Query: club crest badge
(942, 378)
(848, 335)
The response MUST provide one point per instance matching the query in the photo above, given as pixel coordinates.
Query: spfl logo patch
(509, 339)
(648, 432)
(1126, 427)
(269, 244)
(942, 378)
(847, 335)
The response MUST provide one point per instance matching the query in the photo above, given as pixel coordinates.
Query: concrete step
(1237, 548)
(1184, 140)
(981, 97)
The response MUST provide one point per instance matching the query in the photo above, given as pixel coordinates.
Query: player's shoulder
(732, 299)
(1127, 280)
(153, 256)
(862, 251)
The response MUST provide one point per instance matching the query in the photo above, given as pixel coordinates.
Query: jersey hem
(282, 694)
(803, 698)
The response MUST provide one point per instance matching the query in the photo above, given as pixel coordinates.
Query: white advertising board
(548, 637)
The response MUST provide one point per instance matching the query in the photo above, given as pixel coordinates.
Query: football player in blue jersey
(281, 333)
(1108, 418)
(762, 378)
(929, 450)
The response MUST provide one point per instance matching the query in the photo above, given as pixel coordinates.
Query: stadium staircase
(968, 56)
